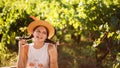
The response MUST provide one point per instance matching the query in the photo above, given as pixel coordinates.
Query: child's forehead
(40, 28)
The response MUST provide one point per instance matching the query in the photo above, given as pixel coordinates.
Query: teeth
(39, 37)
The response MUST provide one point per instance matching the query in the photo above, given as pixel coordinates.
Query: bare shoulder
(25, 46)
(52, 48)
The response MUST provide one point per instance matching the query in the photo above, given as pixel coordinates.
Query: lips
(39, 37)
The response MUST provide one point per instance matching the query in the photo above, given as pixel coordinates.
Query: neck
(38, 45)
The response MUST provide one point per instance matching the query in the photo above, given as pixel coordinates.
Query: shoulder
(52, 48)
(28, 45)
(25, 46)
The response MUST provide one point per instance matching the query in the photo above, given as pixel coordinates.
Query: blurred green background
(88, 30)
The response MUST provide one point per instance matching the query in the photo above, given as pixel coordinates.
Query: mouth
(39, 37)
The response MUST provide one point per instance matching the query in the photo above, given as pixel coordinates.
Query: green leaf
(110, 34)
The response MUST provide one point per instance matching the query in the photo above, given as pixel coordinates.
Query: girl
(40, 53)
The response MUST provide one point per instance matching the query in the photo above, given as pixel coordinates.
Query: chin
(41, 40)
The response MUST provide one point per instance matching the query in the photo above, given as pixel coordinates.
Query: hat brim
(36, 23)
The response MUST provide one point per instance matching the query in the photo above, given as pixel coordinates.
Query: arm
(53, 56)
(22, 56)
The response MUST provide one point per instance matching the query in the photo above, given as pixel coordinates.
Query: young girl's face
(40, 34)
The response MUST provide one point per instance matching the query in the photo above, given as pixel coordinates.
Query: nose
(40, 34)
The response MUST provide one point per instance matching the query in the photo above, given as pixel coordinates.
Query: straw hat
(36, 23)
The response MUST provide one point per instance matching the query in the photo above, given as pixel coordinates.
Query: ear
(33, 34)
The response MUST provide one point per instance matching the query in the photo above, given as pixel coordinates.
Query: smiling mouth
(39, 37)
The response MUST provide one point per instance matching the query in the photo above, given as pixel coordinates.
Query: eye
(37, 31)
(44, 32)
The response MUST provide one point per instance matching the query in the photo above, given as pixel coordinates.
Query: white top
(38, 58)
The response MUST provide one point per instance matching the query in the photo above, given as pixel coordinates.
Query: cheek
(45, 36)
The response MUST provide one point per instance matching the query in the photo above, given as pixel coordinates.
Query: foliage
(88, 28)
